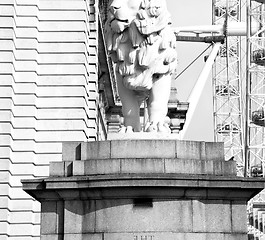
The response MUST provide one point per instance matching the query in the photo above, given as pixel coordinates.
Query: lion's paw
(160, 127)
(128, 129)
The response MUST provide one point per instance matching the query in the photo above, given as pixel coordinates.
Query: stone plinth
(143, 190)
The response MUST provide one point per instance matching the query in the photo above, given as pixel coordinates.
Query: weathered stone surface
(84, 236)
(212, 216)
(173, 236)
(145, 190)
(52, 217)
(96, 150)
(103, 166)
(79, 217)
(189, 149)
(214, 150)
(78, 168)
(237, 208)
(71, 151)
(123, 216)
(142, 165)
(61, 169)
(143, 149)
(235, 236)
(52, 236)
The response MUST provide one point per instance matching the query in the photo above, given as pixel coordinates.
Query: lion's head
(140, 41)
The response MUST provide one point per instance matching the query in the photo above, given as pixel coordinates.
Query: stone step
(143, 148)
(142, 166)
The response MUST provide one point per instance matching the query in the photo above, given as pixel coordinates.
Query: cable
(193, 62)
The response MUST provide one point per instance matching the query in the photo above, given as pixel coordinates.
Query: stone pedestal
(143, 190)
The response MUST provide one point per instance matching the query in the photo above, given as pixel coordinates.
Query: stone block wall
(113, 219)
(151, 189)
(48, 94)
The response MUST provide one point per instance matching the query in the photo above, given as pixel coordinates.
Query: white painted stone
(62, 5)
(62, 69)
(61, 37)
(6, 68)
(26, 65)
(60, 136)
(48, 147)
(4, 189)
(5, 128)
(4, 2)
(62, 15)
(4, 202)
(23, 134)
(21, 205)
(7, 80)
(5, 174)
(52, 125)
(6, 34)
(41, 171)
(23, 169)
(61, 58)
(29, 10)
(26, 32)
(54, 26)
(78, 80)
(29, 54)
(17, 192)
(25, 88)
(19, 229)
(26, 44)
(7, 10)
(5, 152)
(24, 100)
(15, 180)
(61, 114)
(46, 158)
(6, 22)
(6, 91)
(5, 139)
(26, 21)
(25, 77)
(5, 116)
(60, 102)
(24, 111)
(61, 47)
(73, 91)
(3, 227)
(4, 214)
(23, 157)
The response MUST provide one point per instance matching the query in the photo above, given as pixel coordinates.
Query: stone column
(143, 190)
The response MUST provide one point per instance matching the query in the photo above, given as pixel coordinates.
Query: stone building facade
(56, 85)
(48, 95)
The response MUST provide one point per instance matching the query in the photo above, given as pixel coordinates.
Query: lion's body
(142, 47)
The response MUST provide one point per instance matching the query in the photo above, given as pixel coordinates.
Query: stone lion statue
(142, 46)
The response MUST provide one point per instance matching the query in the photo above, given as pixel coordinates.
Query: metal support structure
(227, 84)
(255, 96)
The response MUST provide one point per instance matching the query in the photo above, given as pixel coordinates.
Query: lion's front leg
(157, 104)
(130, 108)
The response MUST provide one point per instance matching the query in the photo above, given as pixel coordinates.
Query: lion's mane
(145, 48)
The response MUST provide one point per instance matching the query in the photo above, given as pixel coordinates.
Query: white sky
(189, 13)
